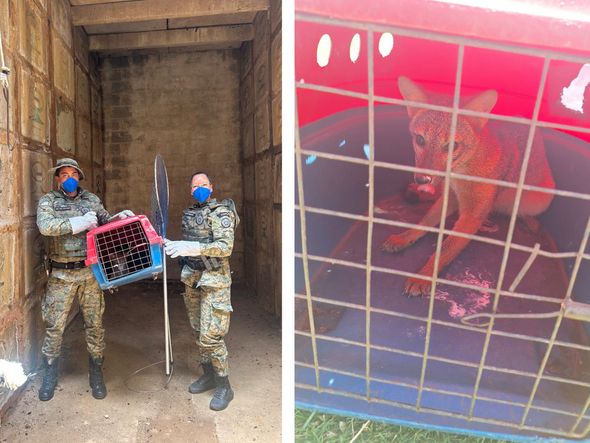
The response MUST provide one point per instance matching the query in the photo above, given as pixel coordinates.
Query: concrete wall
(260, 93)
(184, 105)
(54, 111)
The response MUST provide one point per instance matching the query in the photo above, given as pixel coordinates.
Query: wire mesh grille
(123, 251)
(312, 341)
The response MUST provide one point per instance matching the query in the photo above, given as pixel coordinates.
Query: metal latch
(576, 311)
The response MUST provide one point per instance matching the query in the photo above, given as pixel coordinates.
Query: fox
(484, 149)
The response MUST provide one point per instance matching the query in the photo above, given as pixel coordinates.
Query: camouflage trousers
(209, 311)
(62, 287)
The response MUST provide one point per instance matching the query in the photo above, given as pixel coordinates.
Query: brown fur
(493, 150)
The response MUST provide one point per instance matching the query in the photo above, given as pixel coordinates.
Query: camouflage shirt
(212, 224)
(53, 213)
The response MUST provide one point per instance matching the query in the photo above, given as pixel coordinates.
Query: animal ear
(483, 102)
(412, 92)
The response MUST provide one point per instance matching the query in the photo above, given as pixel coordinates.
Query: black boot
(99, 390)
(223, 394)
(49, 379)
(206, 382)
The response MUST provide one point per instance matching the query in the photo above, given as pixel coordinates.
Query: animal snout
(422, 179)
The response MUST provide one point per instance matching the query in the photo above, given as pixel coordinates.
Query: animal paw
(417, 287)
(396, 243)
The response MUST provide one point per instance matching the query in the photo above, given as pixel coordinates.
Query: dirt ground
(134, 328)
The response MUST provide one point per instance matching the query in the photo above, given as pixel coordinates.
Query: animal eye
(455, 149)
(420, 140)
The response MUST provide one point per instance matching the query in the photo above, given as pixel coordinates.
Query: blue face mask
(201, 194)
(70, 185)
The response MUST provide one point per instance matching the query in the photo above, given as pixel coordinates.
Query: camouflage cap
(62, 162)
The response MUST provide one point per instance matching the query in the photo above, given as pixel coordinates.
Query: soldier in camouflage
(208, 229)
(64, 216)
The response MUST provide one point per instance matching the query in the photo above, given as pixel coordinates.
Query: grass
(312, 427)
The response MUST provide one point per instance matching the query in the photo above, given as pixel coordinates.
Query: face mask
(201, 194)
(70, 185)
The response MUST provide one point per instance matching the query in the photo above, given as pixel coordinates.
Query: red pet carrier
(124, 251)
(497, 347)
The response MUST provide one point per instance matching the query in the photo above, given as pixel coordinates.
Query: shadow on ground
(134, 323)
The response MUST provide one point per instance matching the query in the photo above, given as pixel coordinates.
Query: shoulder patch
(225, 221)
(46, 200)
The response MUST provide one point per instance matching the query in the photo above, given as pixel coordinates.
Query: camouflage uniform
(53, 211)
(208, 278)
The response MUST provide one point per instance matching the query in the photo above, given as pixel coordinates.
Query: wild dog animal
(484, 149)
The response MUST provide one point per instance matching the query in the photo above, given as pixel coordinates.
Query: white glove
(182, 248)
(84, 222)
(11, 374)
(121, 215)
